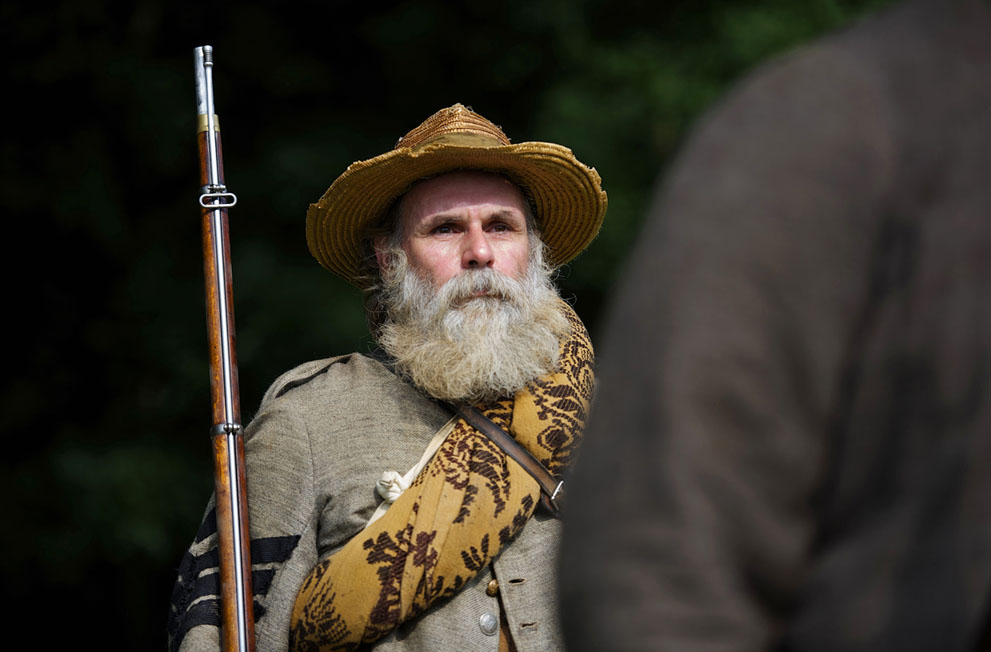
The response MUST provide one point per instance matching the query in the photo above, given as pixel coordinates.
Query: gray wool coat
(325, 432)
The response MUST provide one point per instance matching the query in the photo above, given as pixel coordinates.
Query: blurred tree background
(105, 403)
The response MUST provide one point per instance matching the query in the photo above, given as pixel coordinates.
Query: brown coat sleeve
(692, 503)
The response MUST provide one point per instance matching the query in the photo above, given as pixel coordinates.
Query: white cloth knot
(391, 486)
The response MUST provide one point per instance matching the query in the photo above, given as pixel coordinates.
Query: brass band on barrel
(202, 123)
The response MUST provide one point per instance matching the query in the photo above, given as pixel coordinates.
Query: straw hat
(566, 195)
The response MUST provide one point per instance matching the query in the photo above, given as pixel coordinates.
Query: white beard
(457, 345)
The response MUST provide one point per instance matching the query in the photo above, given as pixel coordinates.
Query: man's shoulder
(351, 372)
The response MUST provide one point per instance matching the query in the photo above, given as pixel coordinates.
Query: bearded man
(384, 507)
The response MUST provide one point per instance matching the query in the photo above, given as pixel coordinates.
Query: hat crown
(456, 119)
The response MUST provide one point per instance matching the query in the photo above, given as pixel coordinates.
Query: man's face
(462, 221)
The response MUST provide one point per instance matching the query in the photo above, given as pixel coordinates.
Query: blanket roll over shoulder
(466, 506)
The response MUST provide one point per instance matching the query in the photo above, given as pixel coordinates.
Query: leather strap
(552, 489)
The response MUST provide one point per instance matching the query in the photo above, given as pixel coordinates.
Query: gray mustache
(468, 284)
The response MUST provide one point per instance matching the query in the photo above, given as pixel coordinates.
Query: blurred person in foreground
(791, 449)
(454, 236)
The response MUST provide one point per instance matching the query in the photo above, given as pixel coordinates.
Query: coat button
(492, 589)
(489, 624)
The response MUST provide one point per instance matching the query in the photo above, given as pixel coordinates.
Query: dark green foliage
(105, 407)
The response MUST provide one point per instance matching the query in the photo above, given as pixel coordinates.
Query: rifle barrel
(237, 621)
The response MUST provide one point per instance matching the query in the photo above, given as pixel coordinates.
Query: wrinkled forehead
(459, 190)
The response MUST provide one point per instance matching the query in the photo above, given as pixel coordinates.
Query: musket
(237, 619)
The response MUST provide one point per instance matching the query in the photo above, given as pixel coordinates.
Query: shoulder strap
(552, 489)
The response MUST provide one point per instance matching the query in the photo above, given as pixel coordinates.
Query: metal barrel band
(218, 199)
(226, 429)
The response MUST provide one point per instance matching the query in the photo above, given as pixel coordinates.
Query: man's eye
(444, 228)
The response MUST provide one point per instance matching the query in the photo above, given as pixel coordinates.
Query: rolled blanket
(466, 504)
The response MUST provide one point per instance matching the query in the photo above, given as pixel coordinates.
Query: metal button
(489, 624)
(492, 589)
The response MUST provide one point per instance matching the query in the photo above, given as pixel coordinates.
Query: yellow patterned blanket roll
(467, 503)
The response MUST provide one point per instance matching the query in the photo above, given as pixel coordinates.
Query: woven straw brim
(567, 196)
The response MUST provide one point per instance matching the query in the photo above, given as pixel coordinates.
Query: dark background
(105, 402)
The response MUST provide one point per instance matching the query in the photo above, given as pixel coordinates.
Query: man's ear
(381, 252)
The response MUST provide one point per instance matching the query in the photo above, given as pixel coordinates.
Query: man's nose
(477, 252)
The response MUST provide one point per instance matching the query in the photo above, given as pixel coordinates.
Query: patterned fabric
(468, 503)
